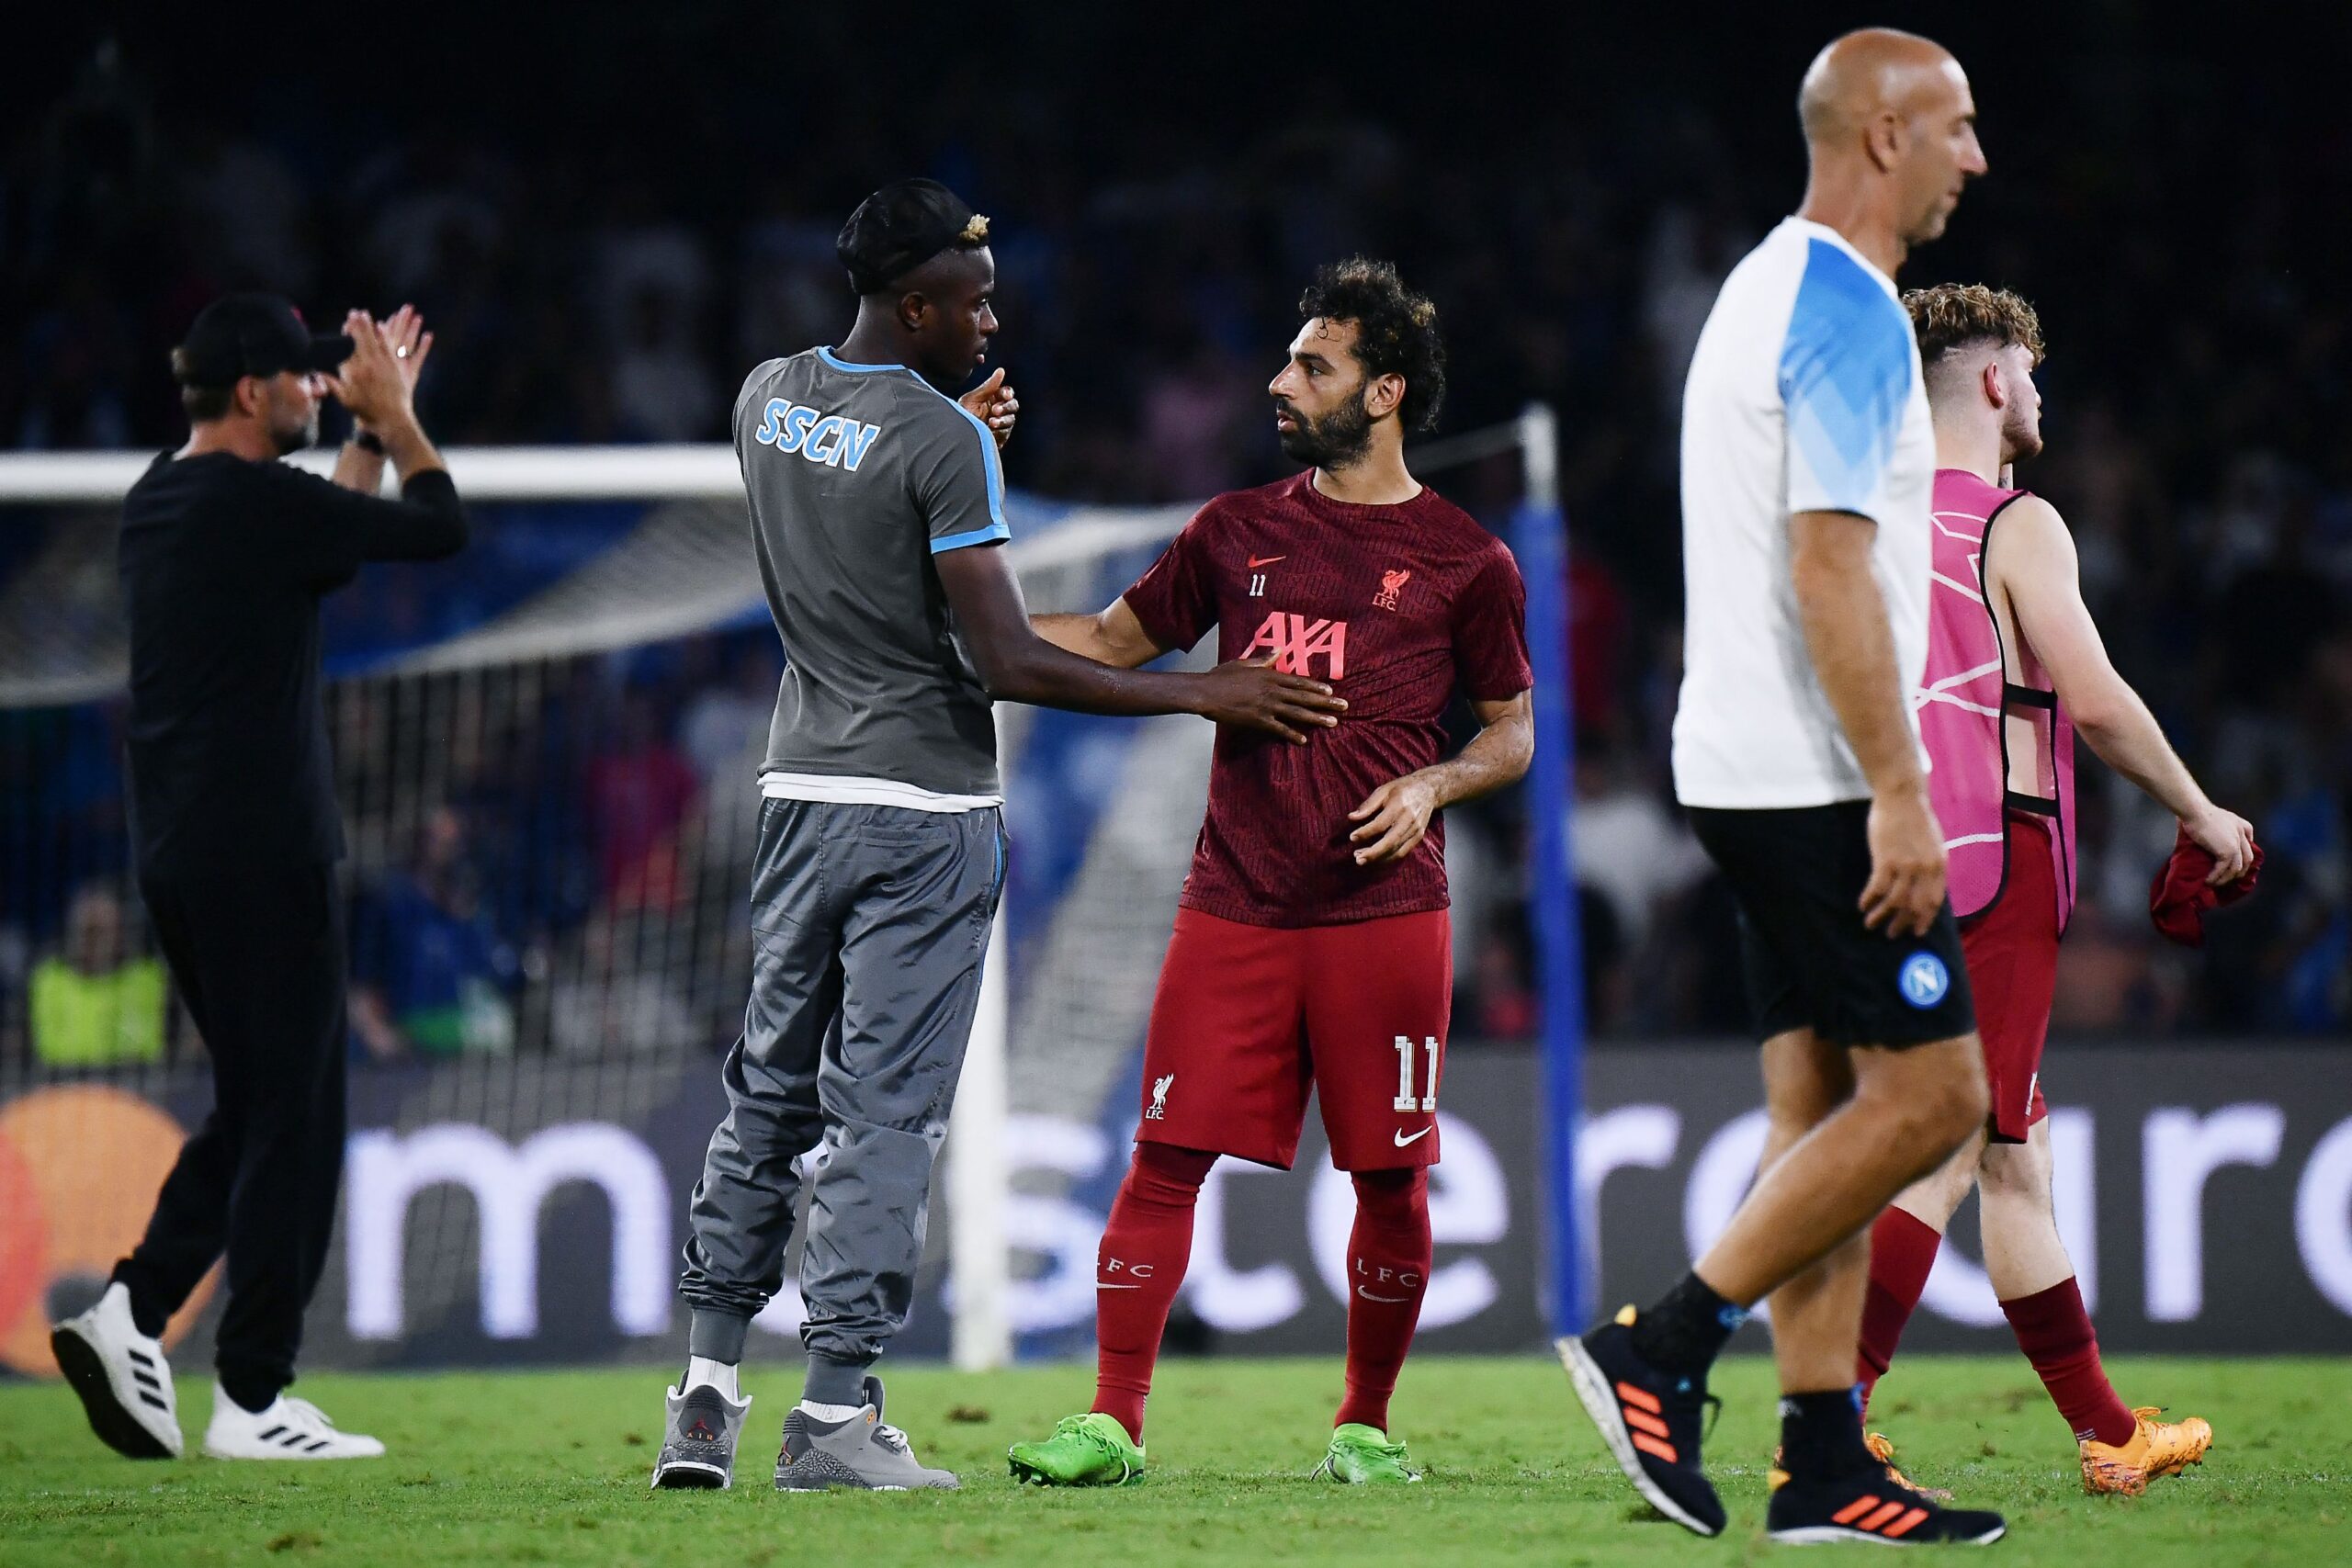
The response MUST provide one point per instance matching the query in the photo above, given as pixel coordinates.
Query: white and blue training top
(1804, 395)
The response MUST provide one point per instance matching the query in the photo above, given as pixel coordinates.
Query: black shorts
(1798, 875)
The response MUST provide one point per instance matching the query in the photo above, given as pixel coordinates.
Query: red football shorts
(1248, 1017)
(2013, 968)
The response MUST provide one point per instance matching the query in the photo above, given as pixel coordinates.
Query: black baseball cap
(252, 334)
(901, 227)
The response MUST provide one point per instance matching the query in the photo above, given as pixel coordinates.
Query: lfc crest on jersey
(1392, 583)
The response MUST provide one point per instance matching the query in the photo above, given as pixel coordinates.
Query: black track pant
(258, 954)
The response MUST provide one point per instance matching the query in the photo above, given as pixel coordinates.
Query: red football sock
(1903, 1251)
(1137, 1270)
(2056, 1336)
(1388, 1264)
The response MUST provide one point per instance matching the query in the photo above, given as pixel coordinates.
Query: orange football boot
(2175, 1445)
(2156, 1448)
(1881, 1448)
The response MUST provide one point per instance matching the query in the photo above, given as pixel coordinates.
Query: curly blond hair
(1951, 316)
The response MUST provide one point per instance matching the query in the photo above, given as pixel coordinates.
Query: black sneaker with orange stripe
(1865, 1505)
(1649, 1419)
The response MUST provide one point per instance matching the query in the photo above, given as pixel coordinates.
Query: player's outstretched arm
(1116, 637)
(1852, 646)
(1396, 817)
(2036, 569)
(1018, 665)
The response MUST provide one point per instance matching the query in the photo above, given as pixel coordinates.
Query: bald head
(1890, 129)
(1867, 73)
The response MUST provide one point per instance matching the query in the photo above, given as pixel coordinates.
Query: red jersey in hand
(1398, 608)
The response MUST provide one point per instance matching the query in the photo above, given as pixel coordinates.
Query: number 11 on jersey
(1405, 1100)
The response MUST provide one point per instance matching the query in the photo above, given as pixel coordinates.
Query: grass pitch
(552, 1467)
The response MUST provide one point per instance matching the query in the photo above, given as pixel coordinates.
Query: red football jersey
(1398, 608)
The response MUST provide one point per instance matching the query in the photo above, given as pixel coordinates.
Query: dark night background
(610, 212)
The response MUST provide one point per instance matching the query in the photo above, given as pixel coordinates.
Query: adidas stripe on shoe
(289, 1428)
(1863, 1505)
(1649, 1421)
(124, 1383)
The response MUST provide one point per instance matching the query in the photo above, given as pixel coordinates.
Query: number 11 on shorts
(1405, 1100)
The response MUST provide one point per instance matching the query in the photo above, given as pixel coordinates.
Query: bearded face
(292, 412)
(1337, 440)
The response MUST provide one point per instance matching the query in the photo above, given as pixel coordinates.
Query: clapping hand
(377, 383)
(403, 332)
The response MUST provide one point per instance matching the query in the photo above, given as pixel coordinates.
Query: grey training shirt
(858, 475)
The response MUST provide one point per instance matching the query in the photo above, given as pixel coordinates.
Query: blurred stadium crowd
(615, 287)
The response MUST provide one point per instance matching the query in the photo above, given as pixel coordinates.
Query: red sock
(1388, 1264)
(1902, 1250)
(2056, 1336)
(1137, 1270)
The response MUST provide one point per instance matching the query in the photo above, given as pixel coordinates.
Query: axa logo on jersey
(832, 439)
(1296, 640)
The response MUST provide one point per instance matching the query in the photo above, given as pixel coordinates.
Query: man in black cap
(876, 506)
(225, 553)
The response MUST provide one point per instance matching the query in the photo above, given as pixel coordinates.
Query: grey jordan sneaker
(698, 1440)
(863, 1451)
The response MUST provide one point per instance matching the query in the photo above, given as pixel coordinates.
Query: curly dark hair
(1395, 330)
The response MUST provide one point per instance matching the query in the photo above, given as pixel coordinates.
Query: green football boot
(1085, 1450)
(1362, 1456)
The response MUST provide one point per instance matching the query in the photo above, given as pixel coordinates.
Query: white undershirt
(842, 790)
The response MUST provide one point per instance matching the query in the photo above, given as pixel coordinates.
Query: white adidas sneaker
(124, 1381)
(289, 1428)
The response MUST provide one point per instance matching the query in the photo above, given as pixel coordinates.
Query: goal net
(546, 751)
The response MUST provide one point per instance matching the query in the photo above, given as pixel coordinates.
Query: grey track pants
(869, 924)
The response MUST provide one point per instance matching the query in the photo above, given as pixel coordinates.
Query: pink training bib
(1966, 705)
